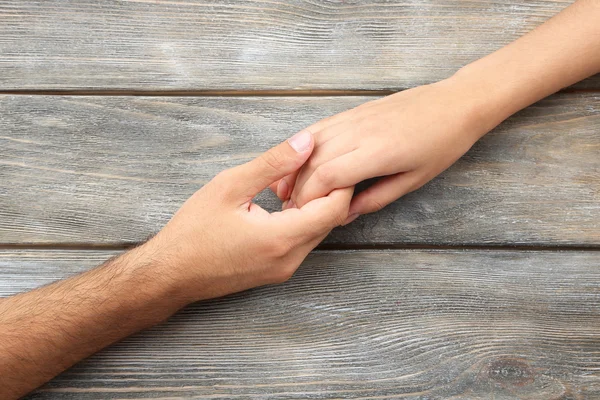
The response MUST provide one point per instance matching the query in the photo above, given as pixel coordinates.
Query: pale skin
(219, 242)
(410, 137)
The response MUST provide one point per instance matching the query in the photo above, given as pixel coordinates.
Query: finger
(283, 187)
(283, 190)
(279, 187)
(319, 126)
(286, 185)
(316, 218)
(382, 193)
(324, 153)
(344, 171)
(321, 129)
(251, 178)
(273, 187)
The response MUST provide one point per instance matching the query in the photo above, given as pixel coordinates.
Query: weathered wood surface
(368, 324)
(112, 170)
(248, 45)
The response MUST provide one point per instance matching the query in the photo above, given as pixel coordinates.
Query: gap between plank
(226, 93)
(325, 247)
(200, 93)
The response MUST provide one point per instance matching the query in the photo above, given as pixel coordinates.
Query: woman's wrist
(555, 55)
(489, 101)
(481, 106)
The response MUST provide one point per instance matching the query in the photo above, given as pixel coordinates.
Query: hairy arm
(49, 329)
(219, 242)
(410, 137)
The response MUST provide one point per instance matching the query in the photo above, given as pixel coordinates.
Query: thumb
(383, 193)
(255, 176)
(317, 217)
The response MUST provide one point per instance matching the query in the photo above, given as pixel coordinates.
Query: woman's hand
(408, 138)
(219, 242)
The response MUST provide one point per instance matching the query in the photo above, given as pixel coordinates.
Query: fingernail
(351, 218)
(288, 204)
(282, 189)
(300, 141)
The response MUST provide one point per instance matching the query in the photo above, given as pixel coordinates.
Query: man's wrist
(146, 267)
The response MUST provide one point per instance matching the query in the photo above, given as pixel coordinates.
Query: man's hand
(219, 242)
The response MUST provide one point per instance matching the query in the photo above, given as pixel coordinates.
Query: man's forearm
(45, 331)
(559, 53)
(219, 242)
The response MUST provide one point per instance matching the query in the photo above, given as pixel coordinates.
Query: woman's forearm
(559, 53)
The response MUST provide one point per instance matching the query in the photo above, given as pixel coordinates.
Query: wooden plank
(112, 170)
(369, 324)
(95, 169)
(253, 44)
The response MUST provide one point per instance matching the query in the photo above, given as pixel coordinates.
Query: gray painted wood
(248, 45)
(112, 170)
(368, 324)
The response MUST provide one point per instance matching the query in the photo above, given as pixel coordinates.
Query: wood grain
(112, 170)
(368, 324)
(253, 44)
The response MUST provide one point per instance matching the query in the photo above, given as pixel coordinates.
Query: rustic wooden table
(483, 284)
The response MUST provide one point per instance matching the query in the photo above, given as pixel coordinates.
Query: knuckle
(374, 205)
(273, 160)
(311, 165)
(340, 218)
(279, 248)
(223, 176)
(223, 182)
(325, 175)
(336, 218)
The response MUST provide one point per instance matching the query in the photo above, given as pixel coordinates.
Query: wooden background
(483, 284)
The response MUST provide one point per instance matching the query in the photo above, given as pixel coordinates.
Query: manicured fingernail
(351, 218)
(300, 141)
(282, 189)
